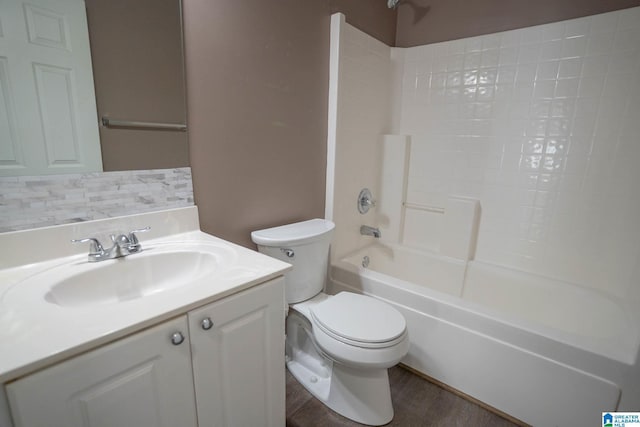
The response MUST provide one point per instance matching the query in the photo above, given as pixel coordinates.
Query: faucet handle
(134, 243)
(132, 234)
(95, 248)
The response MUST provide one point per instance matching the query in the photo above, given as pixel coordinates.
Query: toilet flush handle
(288, 252)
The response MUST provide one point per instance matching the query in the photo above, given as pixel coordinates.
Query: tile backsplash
(39, 201)
(542, 125)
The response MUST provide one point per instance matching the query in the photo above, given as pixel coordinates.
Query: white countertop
(35, 333)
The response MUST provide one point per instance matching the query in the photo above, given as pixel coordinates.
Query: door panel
(48, 102)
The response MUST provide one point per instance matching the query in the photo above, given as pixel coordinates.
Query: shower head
(392, 4)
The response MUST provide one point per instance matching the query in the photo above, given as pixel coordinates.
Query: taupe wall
(136, 49)
(257, 81)
(371, 16)
(429, 21)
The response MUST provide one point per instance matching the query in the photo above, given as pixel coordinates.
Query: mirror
(47, 48)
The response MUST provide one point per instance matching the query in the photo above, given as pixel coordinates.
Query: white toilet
(338, 347)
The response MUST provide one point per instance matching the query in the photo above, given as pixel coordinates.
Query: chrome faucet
(365, 230)
(123, 245)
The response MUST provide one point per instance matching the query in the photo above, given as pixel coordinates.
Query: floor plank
(416, 403)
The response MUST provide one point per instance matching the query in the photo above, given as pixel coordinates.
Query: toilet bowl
(338, 347)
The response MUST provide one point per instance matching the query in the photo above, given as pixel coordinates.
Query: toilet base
(358, 391)
(362, 395)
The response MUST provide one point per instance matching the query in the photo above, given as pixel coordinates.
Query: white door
(48, 119)
(143, 380)
(238, 364)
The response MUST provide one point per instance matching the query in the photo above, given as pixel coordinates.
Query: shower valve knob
(365, 201)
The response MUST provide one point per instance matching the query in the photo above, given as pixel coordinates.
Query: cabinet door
(143, 380)
(238, 364)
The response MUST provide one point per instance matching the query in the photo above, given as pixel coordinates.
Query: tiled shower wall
(39, 201)
(542, 125)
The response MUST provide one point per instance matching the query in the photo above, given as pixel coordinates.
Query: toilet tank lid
(293, 234)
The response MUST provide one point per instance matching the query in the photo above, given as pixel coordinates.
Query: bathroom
(258, 112)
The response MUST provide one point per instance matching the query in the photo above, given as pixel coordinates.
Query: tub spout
(365, 230)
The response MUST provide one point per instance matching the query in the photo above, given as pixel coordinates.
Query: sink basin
(82, 284)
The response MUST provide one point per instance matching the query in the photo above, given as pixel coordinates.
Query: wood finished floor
(416, 403)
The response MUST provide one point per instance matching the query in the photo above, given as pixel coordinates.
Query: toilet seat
(367, 338)
(359, 320)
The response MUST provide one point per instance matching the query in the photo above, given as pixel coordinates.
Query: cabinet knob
(177, 338)
(206, 323)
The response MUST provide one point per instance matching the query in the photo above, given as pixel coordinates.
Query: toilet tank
(305, 245)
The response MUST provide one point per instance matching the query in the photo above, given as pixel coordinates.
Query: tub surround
(40, 201)
(509, 170)
(359, 113)
(395, 157)
(540, 124)
(32, 330)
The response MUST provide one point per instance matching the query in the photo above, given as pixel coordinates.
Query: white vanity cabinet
(228, 371)
(238, 363)
(142, 380)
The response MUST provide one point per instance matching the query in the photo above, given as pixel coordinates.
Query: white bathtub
(544, 351)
